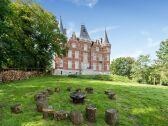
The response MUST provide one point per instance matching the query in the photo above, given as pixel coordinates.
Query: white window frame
(100, 67)
(76, 54)
(73, 45)
(70, 53)
(94, 56)
(94, 66)
(76, 64)
(85, 47)
(97, 49)
(69, 64)
(61, 63)
(100, 57)
(85, 57)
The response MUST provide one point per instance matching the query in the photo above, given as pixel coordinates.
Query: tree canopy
(29, 37)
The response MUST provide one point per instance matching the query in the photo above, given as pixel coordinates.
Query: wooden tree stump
(17, 108)
(107, 92)
(41, 105)
(48, 113)
(50, 91)
(69, 89)
(89, 90)
(61, 115)
(112, 96)
(57, 89)
(76, 117)
(45, 93)
(40, 97)
(111, 117)
(91, 113)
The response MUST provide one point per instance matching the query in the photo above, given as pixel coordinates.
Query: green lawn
(138, 105)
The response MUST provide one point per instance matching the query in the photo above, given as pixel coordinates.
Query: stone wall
(12, 75)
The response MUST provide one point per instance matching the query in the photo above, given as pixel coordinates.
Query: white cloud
(101, 29)
(88, 3)
(149, 40)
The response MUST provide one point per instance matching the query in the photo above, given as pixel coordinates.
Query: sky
(134, 27)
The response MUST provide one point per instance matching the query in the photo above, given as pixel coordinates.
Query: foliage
(162, 62)
(141, 69)
(137, 104)
(122, 66)
(33, 37)
(102, 77)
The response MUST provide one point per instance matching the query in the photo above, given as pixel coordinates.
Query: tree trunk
(91, 113)
(111, 117)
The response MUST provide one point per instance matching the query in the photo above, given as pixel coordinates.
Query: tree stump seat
(78, 97)
(41, 104)
(69, 89)
(48, 113)
(50, 91)
(61, 115)
(57, 89)
(17, 108)
(111, 117)
(40, 97)
(89, 90)
(76, 117)
(91, 113)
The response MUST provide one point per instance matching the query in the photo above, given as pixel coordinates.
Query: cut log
(91, 113)
(69, 89)
(50, 91)
(41, 105)
(112, 96)
(89, 90)
(40, 97)
(61, 115)
(57, 89)
(111, 117)
(17, 108)
(76, 117)
(48, 113)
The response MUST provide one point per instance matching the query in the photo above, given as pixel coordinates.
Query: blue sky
(134, 27)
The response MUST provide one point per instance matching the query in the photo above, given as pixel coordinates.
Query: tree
(33, 37)
(141, 69)
(122, 66)
(162, 62)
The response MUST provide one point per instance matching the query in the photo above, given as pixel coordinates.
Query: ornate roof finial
(84, 34)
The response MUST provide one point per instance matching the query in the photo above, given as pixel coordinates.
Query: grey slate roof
(106, 40)
(61, 28)
(83, 33)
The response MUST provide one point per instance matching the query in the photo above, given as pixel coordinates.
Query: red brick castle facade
(84, 56)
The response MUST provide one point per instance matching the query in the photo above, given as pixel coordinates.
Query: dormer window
(73, 45)
(97, 49)
(85, 47)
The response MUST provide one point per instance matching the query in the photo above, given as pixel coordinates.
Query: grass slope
(138, 105)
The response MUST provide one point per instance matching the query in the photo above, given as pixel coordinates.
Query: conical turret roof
(83, 33)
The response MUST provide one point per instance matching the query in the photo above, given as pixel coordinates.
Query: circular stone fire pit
(78, 97)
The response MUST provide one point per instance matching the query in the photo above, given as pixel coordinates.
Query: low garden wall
(12, 75)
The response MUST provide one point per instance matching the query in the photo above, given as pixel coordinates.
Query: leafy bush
(103, 77)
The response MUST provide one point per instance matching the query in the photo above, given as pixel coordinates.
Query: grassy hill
(138, 105)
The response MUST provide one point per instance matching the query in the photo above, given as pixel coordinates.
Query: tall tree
(141, 69)
(34, 37)
(162, 55)
(122, 66)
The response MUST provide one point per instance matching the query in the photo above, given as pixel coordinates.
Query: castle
(84, 55)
